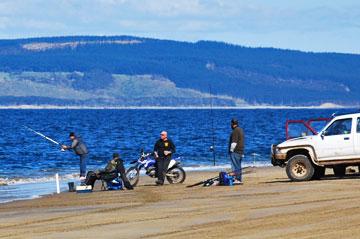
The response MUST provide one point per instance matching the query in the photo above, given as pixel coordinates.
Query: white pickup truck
(336, 146)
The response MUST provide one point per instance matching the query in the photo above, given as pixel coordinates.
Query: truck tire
(319, 172)
(299, 168)
(339, 170)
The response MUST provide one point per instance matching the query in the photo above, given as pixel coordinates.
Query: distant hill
(100, 89)
(132, 71)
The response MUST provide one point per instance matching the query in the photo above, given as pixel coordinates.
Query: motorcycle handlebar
(144, 155)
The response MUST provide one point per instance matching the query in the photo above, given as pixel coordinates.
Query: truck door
(357, 138)
(337, 141)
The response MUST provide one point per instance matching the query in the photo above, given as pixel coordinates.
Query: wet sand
(266, 206)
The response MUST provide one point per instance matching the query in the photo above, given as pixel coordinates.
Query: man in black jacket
(117, 165)
(111, 171)
(163, 150)
(236, 148)
(79, 148)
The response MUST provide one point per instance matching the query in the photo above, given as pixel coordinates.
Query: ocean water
(28, 162)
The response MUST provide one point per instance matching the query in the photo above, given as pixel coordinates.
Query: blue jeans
(236, 165)
(83, 165)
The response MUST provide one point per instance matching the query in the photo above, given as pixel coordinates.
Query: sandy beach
(268, 205)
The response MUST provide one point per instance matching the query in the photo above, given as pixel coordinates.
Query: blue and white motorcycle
(174, 174)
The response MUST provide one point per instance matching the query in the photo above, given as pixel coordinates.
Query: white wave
(194, 107)
(73, 176)
(16, 181)
(29, 197)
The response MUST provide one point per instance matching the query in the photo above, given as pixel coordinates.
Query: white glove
(166, 153)
(232, 147)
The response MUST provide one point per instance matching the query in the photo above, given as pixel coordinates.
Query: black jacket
(118, 167)
(161, 146)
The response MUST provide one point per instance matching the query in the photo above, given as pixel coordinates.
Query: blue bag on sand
(225, 179)
(115, 184)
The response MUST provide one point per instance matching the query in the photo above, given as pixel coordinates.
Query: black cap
(71, 134)
(116, 155)
(234, 121)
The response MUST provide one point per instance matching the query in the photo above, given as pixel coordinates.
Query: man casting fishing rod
(79, 148)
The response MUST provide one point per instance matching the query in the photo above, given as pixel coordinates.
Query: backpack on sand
(225, 179)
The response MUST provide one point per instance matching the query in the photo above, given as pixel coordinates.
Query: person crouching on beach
(163, 150)
(80, 149)
(114, 166)
(117, 164)
(236, 149)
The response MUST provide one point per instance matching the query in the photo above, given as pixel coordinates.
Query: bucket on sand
(71, 187)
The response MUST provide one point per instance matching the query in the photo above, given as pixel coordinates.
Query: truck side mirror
(323, 134)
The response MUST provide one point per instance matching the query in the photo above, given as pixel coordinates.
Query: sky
(308, 25)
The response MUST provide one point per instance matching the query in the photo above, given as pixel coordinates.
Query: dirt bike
(174, 174)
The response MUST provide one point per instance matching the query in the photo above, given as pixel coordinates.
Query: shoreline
(51, 185)
(268, 205)
(250, 107)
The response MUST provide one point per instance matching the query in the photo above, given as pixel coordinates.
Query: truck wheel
(319, 172)
(299, 168)
(339, 170)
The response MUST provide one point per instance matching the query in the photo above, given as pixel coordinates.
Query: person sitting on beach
(114, 167)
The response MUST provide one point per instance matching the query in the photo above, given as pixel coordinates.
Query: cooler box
(84, 189)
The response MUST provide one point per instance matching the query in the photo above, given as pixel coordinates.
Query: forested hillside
(255, 75)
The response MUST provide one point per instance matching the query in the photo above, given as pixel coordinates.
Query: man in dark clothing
(111, 171)
(119, 168)
(79, 148)
(236, 148)
(163, 150)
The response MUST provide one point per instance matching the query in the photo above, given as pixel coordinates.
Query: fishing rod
(212, 147)
(215, 178)
(42, 135)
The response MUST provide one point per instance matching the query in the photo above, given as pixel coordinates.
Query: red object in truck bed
(307, 124)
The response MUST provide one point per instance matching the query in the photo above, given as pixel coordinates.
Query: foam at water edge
(32, 191)
(21, 198)
(67, 177)
(16, 181)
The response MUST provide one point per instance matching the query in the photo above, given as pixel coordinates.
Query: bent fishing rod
(43, 136)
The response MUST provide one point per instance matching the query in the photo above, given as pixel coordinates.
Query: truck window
(339, 127)
(297, 130)
(358, 125)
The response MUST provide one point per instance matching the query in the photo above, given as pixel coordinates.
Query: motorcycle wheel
(133, 175)
(176, 175)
